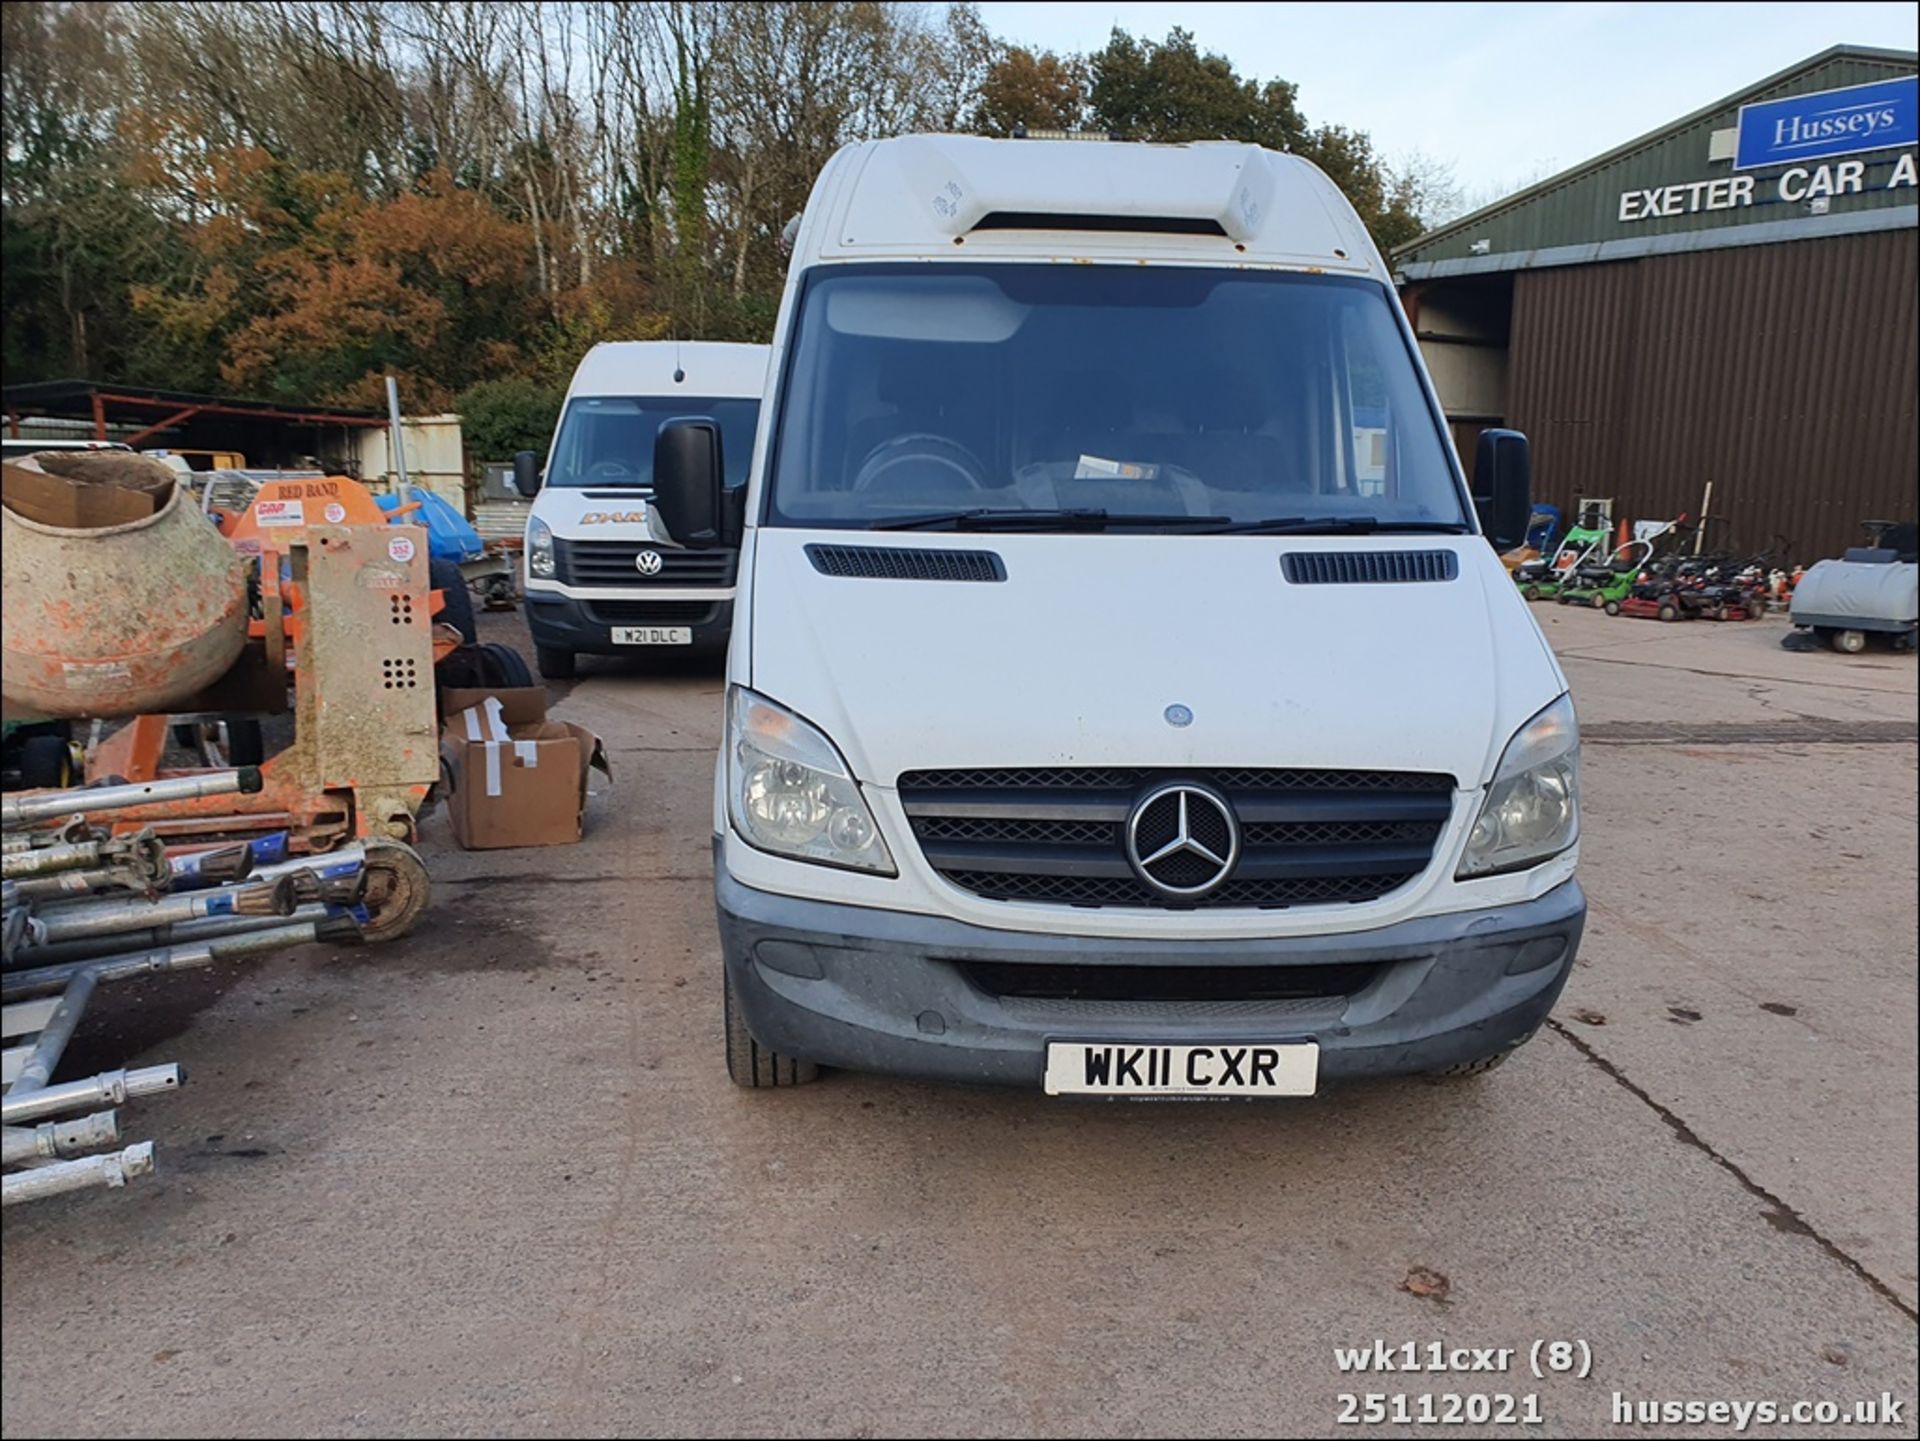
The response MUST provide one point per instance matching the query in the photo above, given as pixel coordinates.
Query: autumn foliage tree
(1022, 90)
(292, 198)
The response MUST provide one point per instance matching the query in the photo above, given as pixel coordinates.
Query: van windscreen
(607, 440)
(1241, 396)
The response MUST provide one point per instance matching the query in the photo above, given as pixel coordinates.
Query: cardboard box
(519, 705)
(519, 784)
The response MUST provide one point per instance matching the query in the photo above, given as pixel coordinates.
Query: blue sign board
(1829, 122)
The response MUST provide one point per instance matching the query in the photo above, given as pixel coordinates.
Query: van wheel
(555, 664)
(751, 1064)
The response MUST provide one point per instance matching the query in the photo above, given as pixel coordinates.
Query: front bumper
(563, 622)
(873, 990)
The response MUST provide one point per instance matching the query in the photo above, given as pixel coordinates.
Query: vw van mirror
(1503, 487)
(687, 481)
(526, 473)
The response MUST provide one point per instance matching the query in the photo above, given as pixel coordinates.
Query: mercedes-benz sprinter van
(1125, 698)
(596, 582)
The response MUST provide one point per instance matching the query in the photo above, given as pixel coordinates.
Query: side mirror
(1503, 487)
(526, 473)
(689, 485)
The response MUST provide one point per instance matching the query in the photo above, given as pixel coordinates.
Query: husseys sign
(1829, 122)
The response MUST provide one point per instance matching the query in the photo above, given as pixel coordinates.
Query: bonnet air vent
(1368, 567)
(889, 562)
(1121, 224)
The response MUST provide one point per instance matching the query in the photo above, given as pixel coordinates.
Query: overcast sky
(1503, 93)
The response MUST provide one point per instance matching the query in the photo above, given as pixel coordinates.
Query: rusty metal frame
(101, 399)
(160, 425)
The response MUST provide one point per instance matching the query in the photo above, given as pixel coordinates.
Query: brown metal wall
(1786, 374)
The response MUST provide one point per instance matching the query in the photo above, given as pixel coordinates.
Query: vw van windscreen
(607, 440)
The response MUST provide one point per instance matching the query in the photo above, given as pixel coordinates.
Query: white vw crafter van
(596, 581)
(1125, 698)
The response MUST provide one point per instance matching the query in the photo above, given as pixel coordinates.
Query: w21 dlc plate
(653, 635)
(1228, 1068)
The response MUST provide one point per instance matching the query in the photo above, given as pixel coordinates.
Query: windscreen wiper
(1339, 525)
(1012, 519)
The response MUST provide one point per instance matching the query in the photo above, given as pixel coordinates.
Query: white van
(1125, 698)
(597, 582)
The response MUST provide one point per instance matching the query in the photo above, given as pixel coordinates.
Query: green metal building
(1732, 299)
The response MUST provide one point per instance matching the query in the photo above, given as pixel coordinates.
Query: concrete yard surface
(493, 1179)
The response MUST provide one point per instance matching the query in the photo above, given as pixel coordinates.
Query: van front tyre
(555, 664)
(752, 1065)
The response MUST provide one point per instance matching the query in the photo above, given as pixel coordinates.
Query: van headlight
(1532, 809)
(540, 549)
(789, 792)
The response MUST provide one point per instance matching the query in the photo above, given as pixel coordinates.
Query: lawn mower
(1605, 584)
(1714, 587)
(1542, 579)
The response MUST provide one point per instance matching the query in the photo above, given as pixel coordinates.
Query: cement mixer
(118, 596)
(317, 606)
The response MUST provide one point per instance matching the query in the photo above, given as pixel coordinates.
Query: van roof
(963, 196)
(709, 369)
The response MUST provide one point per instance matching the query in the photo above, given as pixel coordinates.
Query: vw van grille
(611, 562)
(1058, 834)
(651, 612)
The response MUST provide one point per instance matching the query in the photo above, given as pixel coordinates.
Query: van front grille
(1170, 984)
(650, 612)
(611, 562)
(1058, 834)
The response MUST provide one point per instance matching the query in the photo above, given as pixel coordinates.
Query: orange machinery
(344, 608)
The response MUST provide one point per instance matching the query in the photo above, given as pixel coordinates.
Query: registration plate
(1226, 1068)
(653, 635)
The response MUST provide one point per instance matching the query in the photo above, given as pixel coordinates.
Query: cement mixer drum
(104, 615)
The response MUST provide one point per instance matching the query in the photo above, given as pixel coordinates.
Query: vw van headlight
(1532, 809)
(789, 792)
(540, 549)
